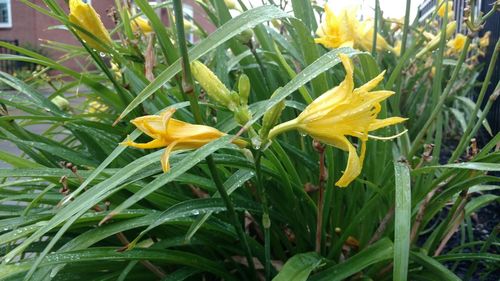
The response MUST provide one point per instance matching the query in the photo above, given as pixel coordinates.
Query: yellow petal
(328, 100)
(154, 126)
(370, 85)
(85, 16)
(141, 24)
(380, 123)
(192, 133)
(156, 143)
(353, 168)
(165, 164)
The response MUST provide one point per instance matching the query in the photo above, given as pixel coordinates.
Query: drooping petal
(353, 168)
(165, 164)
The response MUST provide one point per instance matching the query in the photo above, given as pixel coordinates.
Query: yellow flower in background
(85, 16)
(434, 42)
(340, 112)
(141, 24)
(174, 134)
(397, 48)
(484, 41)
(343, 29)
(457, 44)
(96, 107)
(443, 9)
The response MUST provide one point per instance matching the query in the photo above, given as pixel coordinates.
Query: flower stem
(266, 221)
(322, 178)
(193, 100)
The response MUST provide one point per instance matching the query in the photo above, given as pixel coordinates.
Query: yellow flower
(343, 29)
(174, 134)
(141, 24)
(96, 107)
(434, 42)
(442, 9)
(85, 16)
(340, 112)
(457, 44)
(484, 41)
(397, 48)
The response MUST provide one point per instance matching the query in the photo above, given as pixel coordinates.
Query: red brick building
(29, 27)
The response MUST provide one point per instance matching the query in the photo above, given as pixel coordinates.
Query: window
(188, 22)
(5, 14)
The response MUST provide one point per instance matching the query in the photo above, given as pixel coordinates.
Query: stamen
(388, 138)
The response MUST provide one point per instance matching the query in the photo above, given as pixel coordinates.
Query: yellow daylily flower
(484, 41)
(434, 42)
(141, 24)
(457, 44)
(442, 9)
(340, 112)
(343, 29)
(174, 134)
(83, 15)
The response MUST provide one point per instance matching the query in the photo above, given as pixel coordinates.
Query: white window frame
(7, 24)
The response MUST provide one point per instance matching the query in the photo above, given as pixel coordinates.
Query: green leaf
(440, 271)
(402, 221)
(299, 267)
(110, 254)
(480, 166)
(381, 250)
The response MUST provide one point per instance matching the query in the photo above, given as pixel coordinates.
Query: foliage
(76, 205)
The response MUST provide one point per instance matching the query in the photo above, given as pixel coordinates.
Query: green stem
(375, 27)
(442, 99)
(466, 136)
(188, 78)
(266, 221)
(405, 27)
(186, 69)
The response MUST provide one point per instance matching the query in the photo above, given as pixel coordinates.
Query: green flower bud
(270, 118)
(61, 103)
(242, 115)
(245, 36)
(244, 88)
(214, 88)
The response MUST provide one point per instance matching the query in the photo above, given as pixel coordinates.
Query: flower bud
(244, 88)
(214, 88)
(245, 36)
(230, 4)
(61, 103)
(270, 118)
(242, 115)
